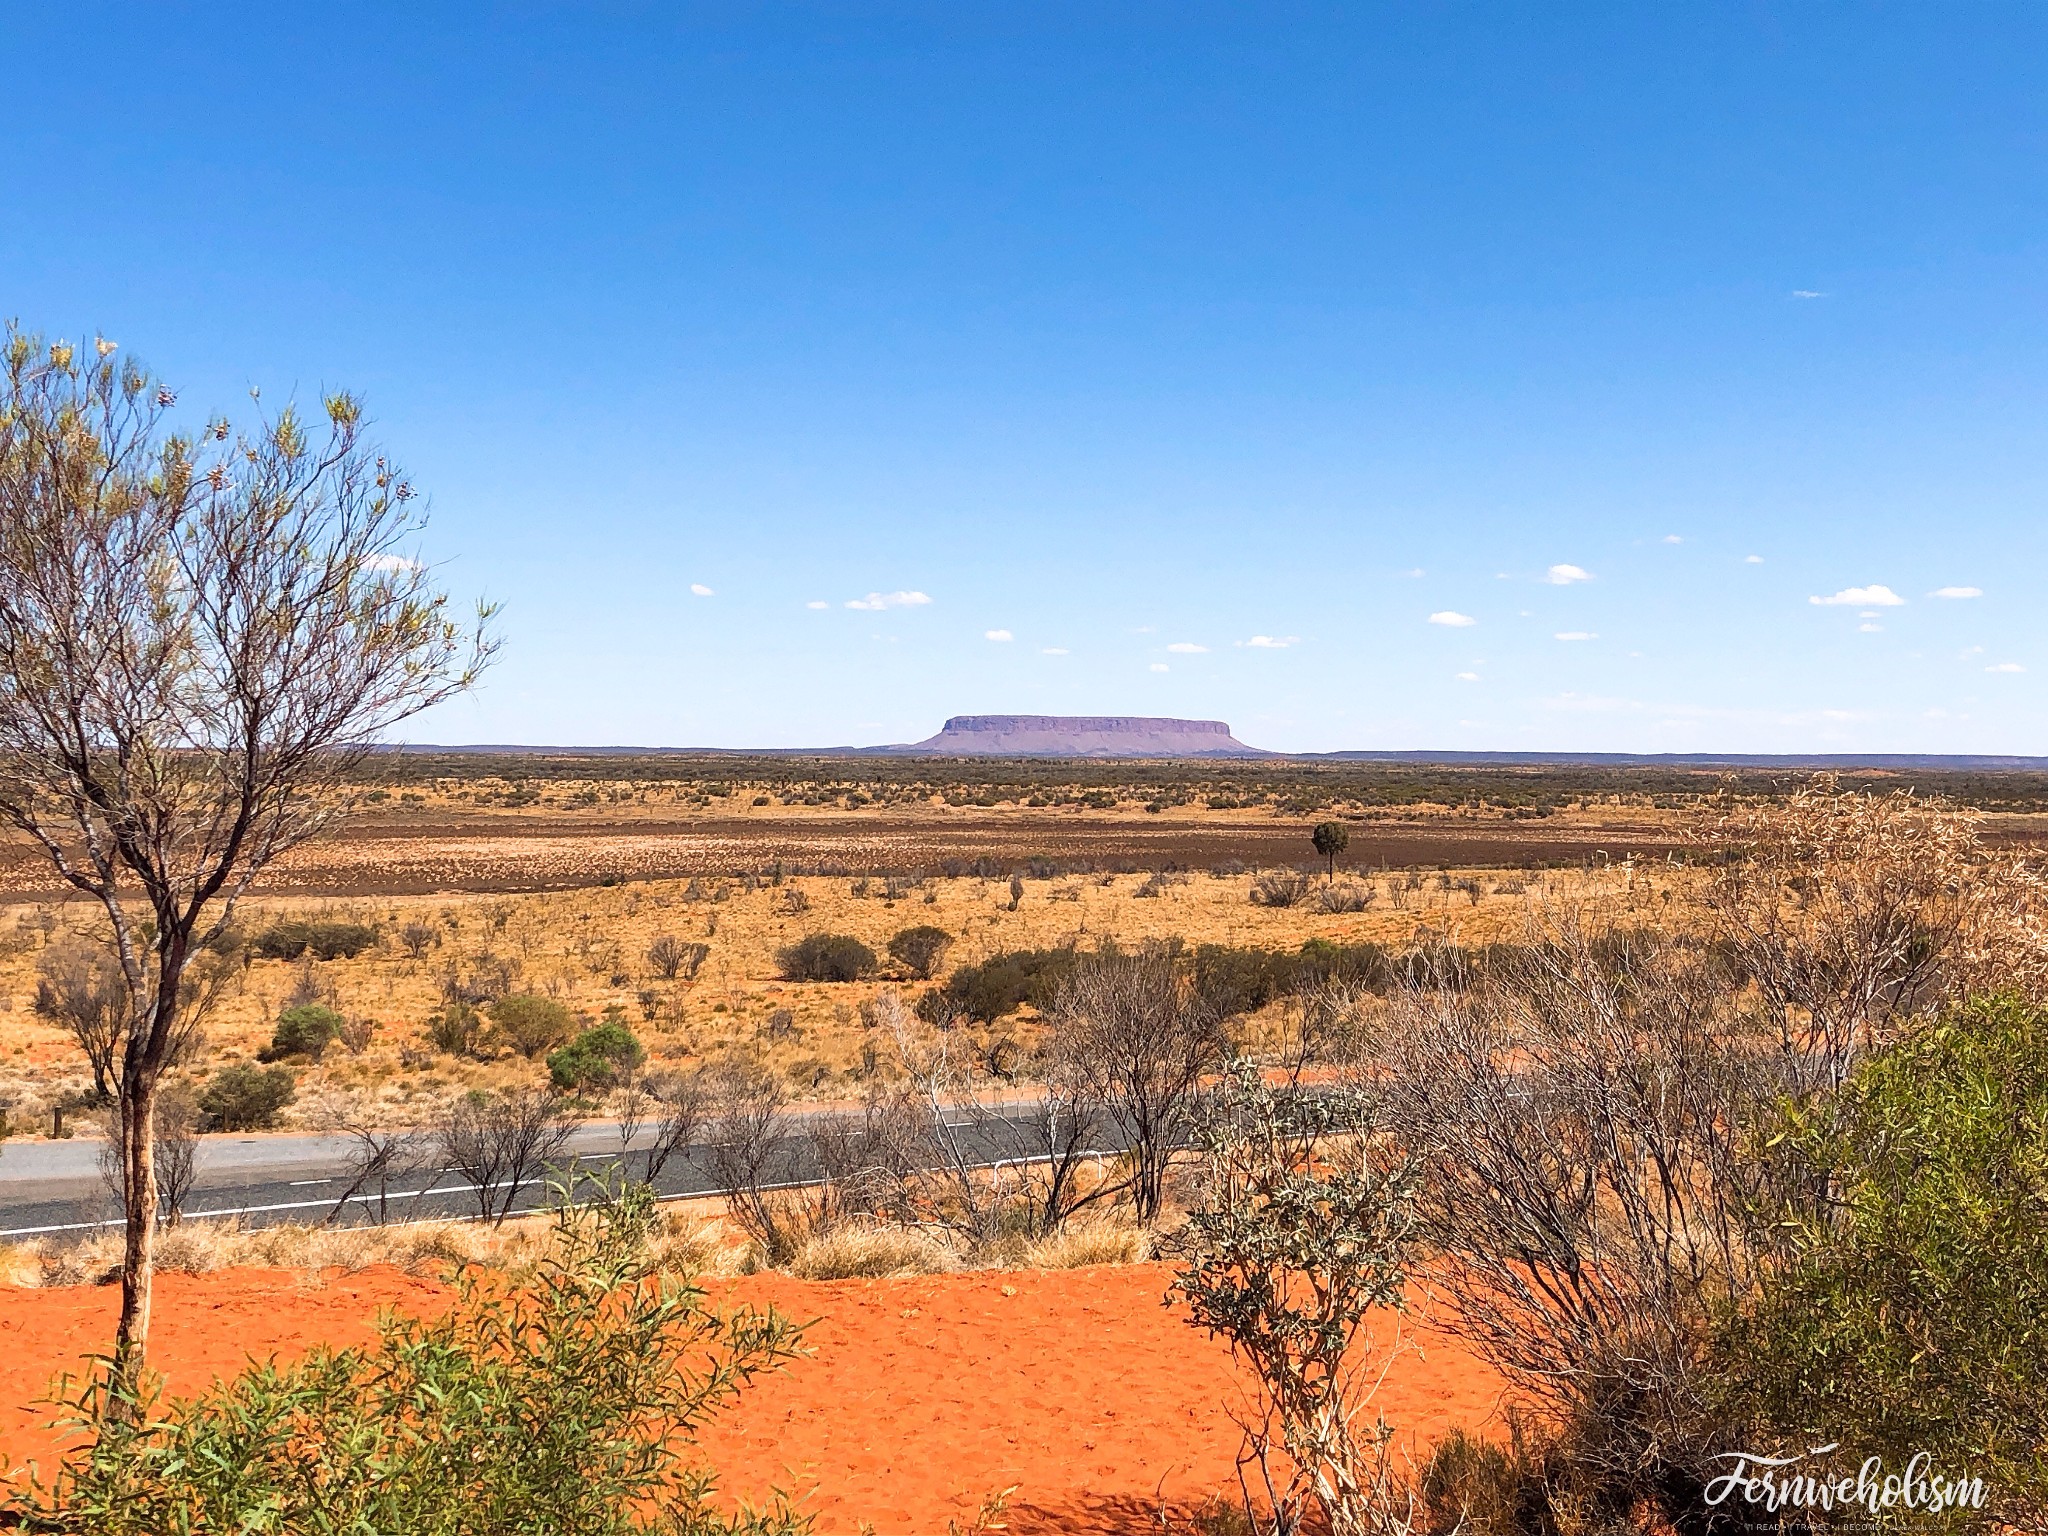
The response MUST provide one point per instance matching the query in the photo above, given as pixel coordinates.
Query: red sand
(922, 1397)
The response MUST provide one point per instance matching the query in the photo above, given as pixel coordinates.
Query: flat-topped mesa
(1083, 736)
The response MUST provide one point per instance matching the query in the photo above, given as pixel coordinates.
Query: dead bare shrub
(1585, 1119)
(674, 959)
(502, 1143)
(1135, 1036)
(81, 987)
(1349, 896)
(1850, 912)
(1280, 888)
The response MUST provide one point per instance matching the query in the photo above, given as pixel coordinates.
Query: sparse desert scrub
(429, 1039)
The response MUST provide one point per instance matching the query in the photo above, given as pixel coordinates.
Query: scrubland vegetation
(1743, 1152)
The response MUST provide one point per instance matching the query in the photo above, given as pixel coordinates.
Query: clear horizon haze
(1454, 376)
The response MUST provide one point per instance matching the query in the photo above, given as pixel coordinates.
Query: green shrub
(998, 986)
(601, 1057)
(455, 1028)
(567, 1403)
(826, 957)
(919, 950)
(1914, 1316)
(246, 1098)
(532, 1025)
(304, 1031)
(323, 940)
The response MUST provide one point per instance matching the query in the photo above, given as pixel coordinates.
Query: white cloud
(1453, 620)
(1752, 559)
(1054, 650)
(1808, 293)
(997, 634)
(1860, 597)
(1186, 648)
(1565, 575)
(1870, 629)
(381, 563)
(1160, 666)
(1271, 642)
(2005, 666)
(1468, 677)
(1575, 634)
(1415, 573)
(698, 589)
(1674, 538)
(819, 604)
(1957, 592)
(875, 602)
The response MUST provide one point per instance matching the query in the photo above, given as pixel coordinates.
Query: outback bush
(306, 1031)
(672, 958)
(1134, 1035)
(999, 985)
(568, 1403)
(919, 950)
(1246, 980)
(826, 957)
(1297, 1241)
(246, 1098)
(602, 1057)
(532, 1025)
(1280, 888)
(1914, 1314)
(455, 1028)
(323, 940)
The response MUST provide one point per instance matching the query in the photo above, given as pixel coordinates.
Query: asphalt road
(54, 1189)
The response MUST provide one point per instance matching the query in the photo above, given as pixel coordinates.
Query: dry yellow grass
(1081, 1245)
(684, 1240)
(873, 1251)
(588, 948)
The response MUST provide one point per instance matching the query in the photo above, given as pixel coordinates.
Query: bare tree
(502, 1142)
(1136, 1037)
(200, 638)
(749, 1124)
(672, 957)
(378, 1154)
(683, 1100)
(176, 1151)
(81, 987)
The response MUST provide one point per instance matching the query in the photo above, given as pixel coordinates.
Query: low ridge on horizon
(1081, 736)
(1162, 736)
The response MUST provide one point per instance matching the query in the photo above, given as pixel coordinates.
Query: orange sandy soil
(922, 1397)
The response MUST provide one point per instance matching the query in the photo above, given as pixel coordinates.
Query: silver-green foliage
(1304, 1231)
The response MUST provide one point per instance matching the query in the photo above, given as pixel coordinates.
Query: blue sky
(1204, 352)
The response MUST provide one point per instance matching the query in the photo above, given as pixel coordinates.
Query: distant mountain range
(1145, 736)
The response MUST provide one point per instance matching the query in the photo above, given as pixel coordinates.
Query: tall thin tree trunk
(138, 1203)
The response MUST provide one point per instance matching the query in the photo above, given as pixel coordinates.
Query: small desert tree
(201, 635)
(1331, 838)
(79, 986)
(1302, 1234)
(1136, 1037)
